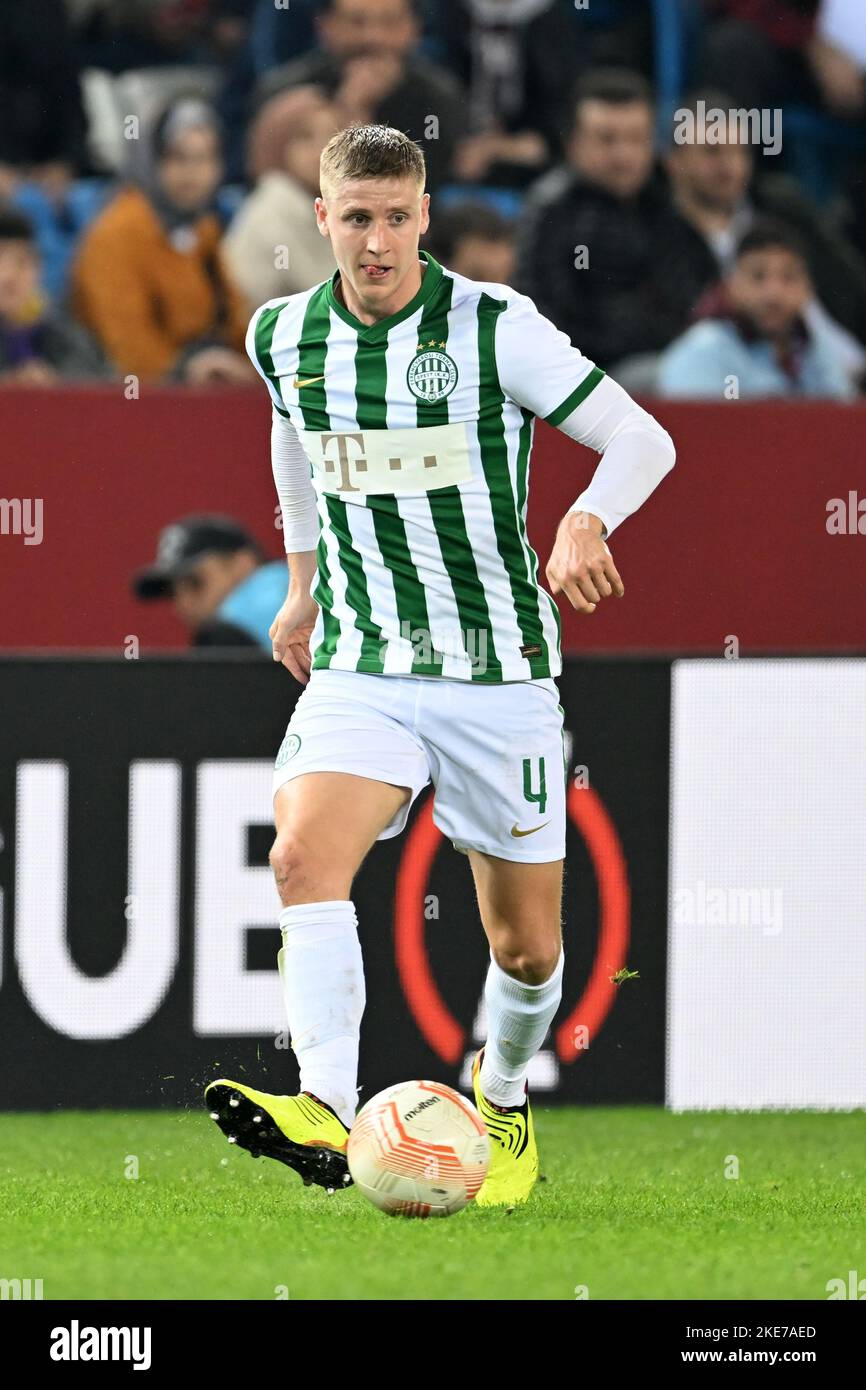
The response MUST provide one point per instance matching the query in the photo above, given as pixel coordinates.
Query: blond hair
(370, 152)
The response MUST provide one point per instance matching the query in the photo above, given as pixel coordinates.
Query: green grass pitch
(634, 1204)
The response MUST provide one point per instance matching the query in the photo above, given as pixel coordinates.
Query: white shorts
(494, 753)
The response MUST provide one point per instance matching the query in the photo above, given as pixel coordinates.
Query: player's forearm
(302, 570)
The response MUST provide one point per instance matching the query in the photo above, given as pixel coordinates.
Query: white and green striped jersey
(418, 430)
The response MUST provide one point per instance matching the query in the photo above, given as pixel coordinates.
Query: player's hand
(290, 634)
(366, 80)
(580, 564)
(473, 156)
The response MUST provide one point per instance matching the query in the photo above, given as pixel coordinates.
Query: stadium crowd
(158, 160)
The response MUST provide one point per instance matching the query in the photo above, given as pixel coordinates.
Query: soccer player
(404, 399)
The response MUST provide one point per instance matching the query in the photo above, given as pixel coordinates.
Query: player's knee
(300, 873)
(285, 859)
(533, 965)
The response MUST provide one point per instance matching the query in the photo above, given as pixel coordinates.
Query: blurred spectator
(37, 346)
(216, 574)
(753, 340)
(592, 247)
(274, 36)
(718, 198)
(604, 33)
(474, 240)
(617, 33)
(119, 35)
(276, 223)
(230, 23)
(42, 123)
(517, 60)
(771, 53)
(59, 221)
(149, 279)
(277, 35)
(368, 63)
(43, 132)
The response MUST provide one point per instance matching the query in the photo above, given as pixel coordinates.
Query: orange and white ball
(419, 1149)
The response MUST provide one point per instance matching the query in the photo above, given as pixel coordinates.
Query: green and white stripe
(450, 561)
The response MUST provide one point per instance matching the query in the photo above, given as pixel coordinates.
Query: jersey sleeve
(537, 365)
(540, 370)
(254, 344)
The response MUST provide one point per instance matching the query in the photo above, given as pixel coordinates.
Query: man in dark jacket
(593, 238)
(368, 64)
(517, 60)
(42, 122)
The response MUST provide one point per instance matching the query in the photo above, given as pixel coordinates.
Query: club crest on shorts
(432, 375)
(288, 748)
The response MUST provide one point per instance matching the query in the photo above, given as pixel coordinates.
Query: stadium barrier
(756, 536)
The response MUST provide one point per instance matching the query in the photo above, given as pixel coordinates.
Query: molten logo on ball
(419, 1149)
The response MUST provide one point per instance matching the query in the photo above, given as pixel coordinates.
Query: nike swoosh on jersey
(309, 381)
(516, 833)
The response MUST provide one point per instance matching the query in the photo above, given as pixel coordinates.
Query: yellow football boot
(300, 1131)
(513, 1154)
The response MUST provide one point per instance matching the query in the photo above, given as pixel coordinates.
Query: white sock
(518, 1017)
(323, 985)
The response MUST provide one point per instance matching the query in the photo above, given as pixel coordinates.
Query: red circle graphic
(445, 1035)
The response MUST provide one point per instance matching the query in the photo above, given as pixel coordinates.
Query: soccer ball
(418, 1149)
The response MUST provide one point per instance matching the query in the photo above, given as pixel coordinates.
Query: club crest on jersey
(288, 748)
(432, 374)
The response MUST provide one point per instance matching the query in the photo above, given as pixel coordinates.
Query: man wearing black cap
(222, 587)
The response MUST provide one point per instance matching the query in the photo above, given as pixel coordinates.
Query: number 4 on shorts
(539, 796)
